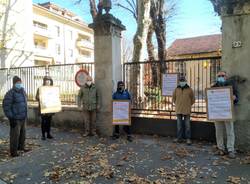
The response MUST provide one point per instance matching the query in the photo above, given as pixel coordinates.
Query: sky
(192, 18)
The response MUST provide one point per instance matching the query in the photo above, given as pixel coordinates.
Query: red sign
(80, 77)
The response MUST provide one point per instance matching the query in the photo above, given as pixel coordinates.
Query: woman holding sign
(121, 94)
(45, 118)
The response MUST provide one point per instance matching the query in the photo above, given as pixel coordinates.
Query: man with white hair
(89, 99)
(222, 81)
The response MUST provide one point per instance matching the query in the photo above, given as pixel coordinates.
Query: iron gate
(143, 80)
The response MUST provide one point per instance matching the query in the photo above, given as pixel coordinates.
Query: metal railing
(32, 78)
(143, 80)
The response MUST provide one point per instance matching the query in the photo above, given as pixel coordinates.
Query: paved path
(70, 158)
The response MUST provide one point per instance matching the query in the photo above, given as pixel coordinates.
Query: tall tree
(93, 10)
(143, 23)
(158, 17)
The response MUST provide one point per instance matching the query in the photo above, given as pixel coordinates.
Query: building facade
(60, 37)
(42, 34)
(16, 39)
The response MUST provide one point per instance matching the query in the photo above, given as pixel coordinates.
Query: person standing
(15, 108)
(220, 126)
(47, 117)
(183, 98)
(121, 94)
(89, 98)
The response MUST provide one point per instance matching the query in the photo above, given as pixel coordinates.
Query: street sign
(80, 77)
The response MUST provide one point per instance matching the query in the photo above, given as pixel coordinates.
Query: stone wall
(69, 118)
(236, 61)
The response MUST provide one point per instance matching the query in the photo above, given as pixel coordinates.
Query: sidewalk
(2, 182)
(70, 158)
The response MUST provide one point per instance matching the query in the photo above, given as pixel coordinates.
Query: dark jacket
(15, 104)
(229, 83)
(121, 95)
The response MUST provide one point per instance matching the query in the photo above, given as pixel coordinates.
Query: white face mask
(183, 83)
(89, 83)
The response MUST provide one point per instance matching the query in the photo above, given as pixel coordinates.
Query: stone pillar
(236, 61)
(108, 65)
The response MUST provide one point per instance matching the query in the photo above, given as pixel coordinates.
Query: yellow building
(60, 37)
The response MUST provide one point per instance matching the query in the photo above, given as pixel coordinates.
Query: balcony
(42, 31)
(42, 51)
(85, 44)
(84, 58)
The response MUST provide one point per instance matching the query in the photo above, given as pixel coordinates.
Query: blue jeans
(183, 126)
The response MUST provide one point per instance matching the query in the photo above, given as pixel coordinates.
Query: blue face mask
(19, 85)
(221, 79)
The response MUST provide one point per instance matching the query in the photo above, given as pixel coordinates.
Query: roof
(49, 5)
(195, 45)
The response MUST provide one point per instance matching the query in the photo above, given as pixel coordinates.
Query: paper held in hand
(50, 99)
(219, 104)
(121, 112)
(169, 83)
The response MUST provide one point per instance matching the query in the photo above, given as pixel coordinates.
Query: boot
(49, 136)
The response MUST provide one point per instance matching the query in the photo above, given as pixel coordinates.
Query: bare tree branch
(128, 9)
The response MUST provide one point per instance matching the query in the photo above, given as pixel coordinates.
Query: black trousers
(46, 124)
(126, 129)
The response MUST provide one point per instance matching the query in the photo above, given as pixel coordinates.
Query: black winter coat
(15, 104)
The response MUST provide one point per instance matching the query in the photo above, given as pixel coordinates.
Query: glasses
(221, 75)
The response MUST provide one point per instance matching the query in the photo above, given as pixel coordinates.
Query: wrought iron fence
(32, 78)
(143, 80)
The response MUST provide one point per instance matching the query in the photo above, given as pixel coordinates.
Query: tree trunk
(93, 10)
(143, 22)
(158, 18)
(151, 56)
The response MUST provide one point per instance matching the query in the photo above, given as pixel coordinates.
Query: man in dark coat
(15, 108)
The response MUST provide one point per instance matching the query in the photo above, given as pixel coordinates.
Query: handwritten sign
(121, 112)
(49, 99)
(219, 104)
(169, 83)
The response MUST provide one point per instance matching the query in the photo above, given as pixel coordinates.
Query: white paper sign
(121, 112)
(169, 83)
(219, 104)
(50, 99)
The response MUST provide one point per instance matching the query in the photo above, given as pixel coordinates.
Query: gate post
(235, 60)
(108, 65)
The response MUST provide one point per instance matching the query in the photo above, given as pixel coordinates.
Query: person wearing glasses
(222, 81)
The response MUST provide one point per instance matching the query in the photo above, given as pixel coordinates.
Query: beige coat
(183, 100)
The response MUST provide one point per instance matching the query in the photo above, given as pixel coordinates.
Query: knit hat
(45, 78)
(182, 78)
(120, 83)
(16, 79)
